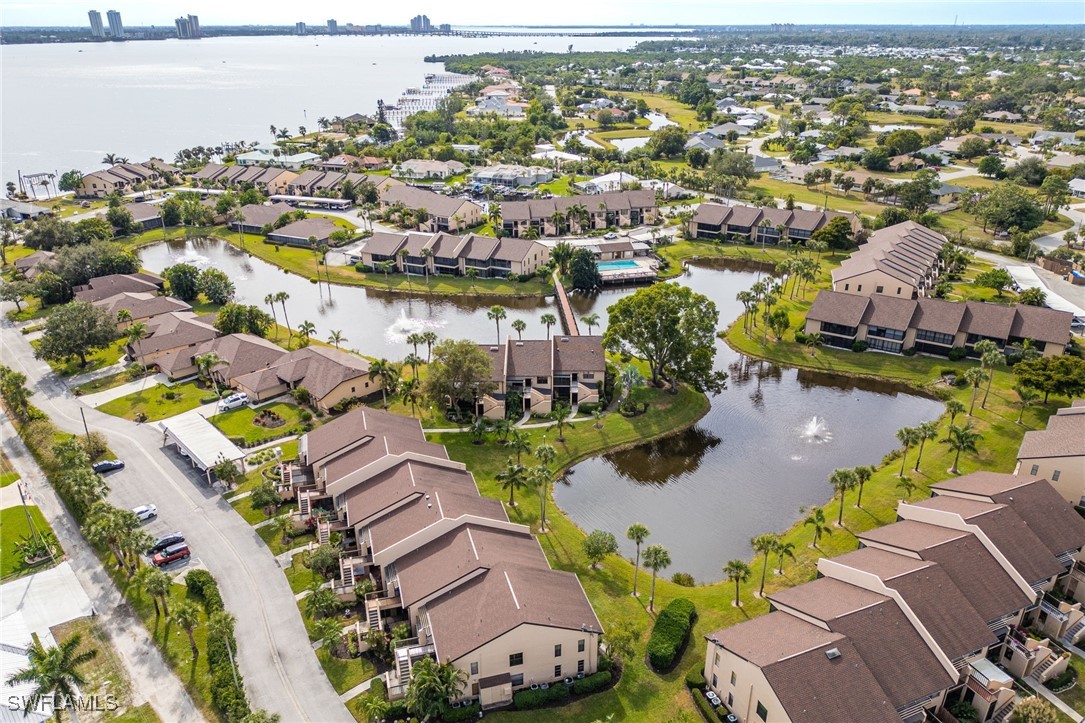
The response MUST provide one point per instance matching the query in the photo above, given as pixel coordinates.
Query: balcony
(1053, 608)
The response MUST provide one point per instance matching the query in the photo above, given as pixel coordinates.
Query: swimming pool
(617, 264)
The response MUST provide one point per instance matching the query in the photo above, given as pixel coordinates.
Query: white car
(234, 401)
(145, 512)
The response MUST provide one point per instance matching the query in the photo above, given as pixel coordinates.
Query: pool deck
(630, 271)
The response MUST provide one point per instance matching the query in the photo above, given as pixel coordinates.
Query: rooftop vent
(519, 343)
(832, 653)
(564, 338)
(493, 348)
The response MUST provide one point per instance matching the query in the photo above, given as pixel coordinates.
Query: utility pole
(85, 427)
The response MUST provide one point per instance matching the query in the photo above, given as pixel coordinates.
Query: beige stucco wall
(1071, 482)
(749, 689)
(867, 283)
(360, 386)
(537, 643)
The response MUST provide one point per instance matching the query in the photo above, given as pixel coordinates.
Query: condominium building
(443, 253)
(579, 214)
(903, 260)
(967, 590)
(538, 374)
(96, 28)
(761, 225)
(116, 27)
(932, 326)
(1058, 453)
(475, 588)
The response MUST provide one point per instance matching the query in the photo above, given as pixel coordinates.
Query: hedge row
(592, 683)
(202, 584)
(670, 632)
(470, 712)
(528, 699)
(695, 678)
(710, 713)
(227, 685)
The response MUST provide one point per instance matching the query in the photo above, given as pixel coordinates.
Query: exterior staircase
(1071, 635)
(305, 507)
(346, 571)
(1003, 713)
(403, 667)
(1038, 672)
(323, 533)
(373, 615)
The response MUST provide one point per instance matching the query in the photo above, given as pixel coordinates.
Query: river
(744, 469)
(69, 104)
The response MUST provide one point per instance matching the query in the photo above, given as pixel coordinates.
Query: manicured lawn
(681, 114)
(96, 359)
(1075, 697)
(253, 476)
(140, 714)
(345, 673)
(156, 403)
(32, 308)
(8, 475)
(238, 423)
(69, 206)
(559, 186)
(102, 383)
(277, 546)
(854, 201)
(14, 527)
(298, 574)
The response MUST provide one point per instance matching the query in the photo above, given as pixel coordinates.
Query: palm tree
(471, 275)
(783, 549)
(954, 407)
(990, 360)
(306, 329)
(656, 558)
(546, 454)
(962, 439)
(560, 414)
(518, 326)
(925, 431)
(187, 615)
(974, 376)
(496, 314)
(637, 533)
(907, 436)
(403, 255)
(414, 340)
(111, 159)
(137, 332)
(270, 300)
(429, 338)
(157, 584)
(764, 544)
(518, 443)
(863, 473)
(426, 254)
(281, 526)
(816, 519)
(282, 297)
(842, 480)
(206, 364)
(54, 672)
(906, 486)
(591, 320)
(381, 368)
(374, 708)
(737, 571)
(237, 216)
(511, 479)
(548, 320)
(1027, 397)
(413, 361)
(410, 392)
(321, 602)
(336, 337)
(329, 632)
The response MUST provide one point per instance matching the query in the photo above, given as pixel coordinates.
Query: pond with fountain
(763, 451)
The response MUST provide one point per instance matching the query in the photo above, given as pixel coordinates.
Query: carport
(204, 444)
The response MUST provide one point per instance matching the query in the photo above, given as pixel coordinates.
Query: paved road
(281, 671)
(152, 679)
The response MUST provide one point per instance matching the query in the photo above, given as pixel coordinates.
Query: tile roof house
(929, 611)
(476, 588)
(932, 326)
(102, 287)
(301, 233)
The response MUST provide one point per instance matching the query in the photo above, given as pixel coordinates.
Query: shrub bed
(592, 683)
(470, 712)
(695, 678)
(709, 713)
(227, 685)
(528, 699)
(670, 632)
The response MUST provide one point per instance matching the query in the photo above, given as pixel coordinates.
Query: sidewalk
(99, 398)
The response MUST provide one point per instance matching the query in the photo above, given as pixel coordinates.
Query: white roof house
(608, 182)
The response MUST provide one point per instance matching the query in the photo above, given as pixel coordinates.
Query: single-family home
(255, 216)
(512, 176)
(329, 376)
(420, 169)
(32, 265)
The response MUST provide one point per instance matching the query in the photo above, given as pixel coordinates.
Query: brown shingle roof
(836, 307)
(383, 243)
(420, 513)
(102, 287)
(529, 358)
(1041, 324)
(890, 312)
(937, 315)
(358, 423)
(579, 354)
(142, 305)
(260, 215)
(713, 214)
(502, 599)
(988, 319)
(322, 228)
(434, 203)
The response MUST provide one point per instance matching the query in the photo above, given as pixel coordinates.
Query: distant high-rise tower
(421, 24)
(96, 28)
(188, 28)
(333, 27)
(299, 28)
(116, 27)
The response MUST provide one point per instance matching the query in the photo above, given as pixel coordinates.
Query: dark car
(179, 551)
(174, 538)
(107, 465)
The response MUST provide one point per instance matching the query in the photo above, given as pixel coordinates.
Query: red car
(170, 554)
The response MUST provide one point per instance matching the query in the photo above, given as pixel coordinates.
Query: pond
(746, 468)
(627, 144)
(658, 120)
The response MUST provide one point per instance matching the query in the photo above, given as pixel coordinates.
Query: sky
(555, 12)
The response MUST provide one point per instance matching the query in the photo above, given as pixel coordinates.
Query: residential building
(168, 337)
(414, 524)
(96, 29)
(123, 177)
(764, 225)
(1058, 138)
(499, 106)
(241, 354)
(706, 141)
(140, 306)
(147, 215)
(188, 28)
(579, 214)
(102, 287)
(932, 326)
(116, 26)
(333, 27)
(1058, 453)
(541, 373)
(300, 29)
(608, 183)
(928, 613)
(256, 216)
(302, 233)
(266, 157)
(420, 169)
(329, 376)
(444, 253)
(32, 265)
(903, 260)
(314, 182)
(445, 213)
(510, 176)
(271, 181)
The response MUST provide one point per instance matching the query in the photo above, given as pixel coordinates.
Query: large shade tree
(459, 372)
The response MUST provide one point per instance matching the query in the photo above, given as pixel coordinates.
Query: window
(557, 650)
(898, 290)
(580, 645)
(879, 289)
(1035, 469)
(715, 681)
(516, 659)
(474, 668)
(1009, 655)
(540, 380)
(1055, 475)
(734, 678)
(517, 680)
(936, 337)
(557, 671)
(847, 286)
(762, 711)
(859, 287)
(730, 700)
(717, 657)
(580, 666)
(352, 390)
